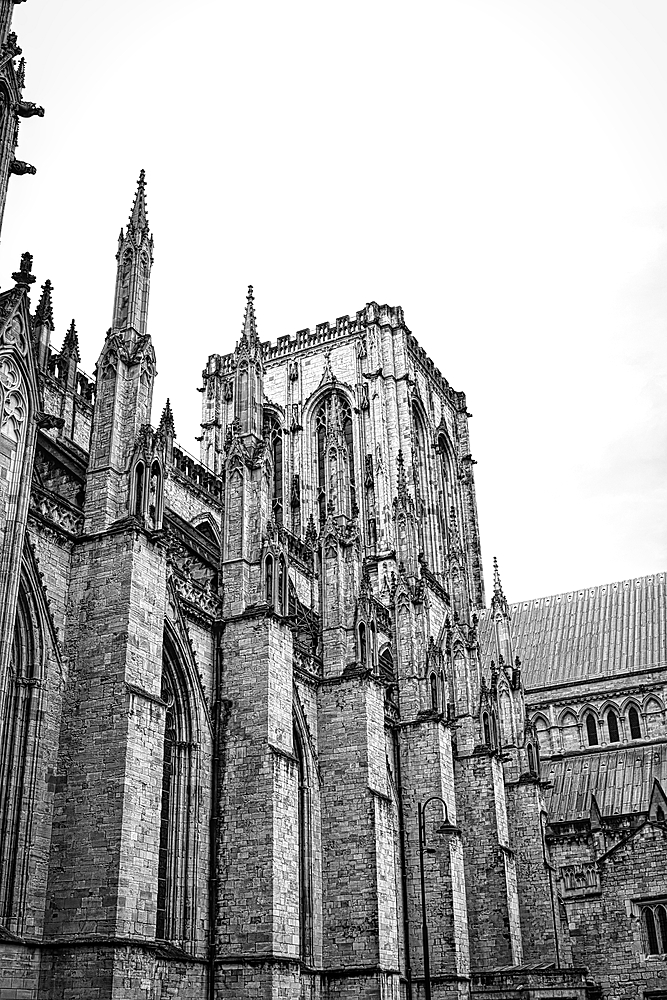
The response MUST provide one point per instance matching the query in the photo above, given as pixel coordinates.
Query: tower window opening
(282, 587)
(612, 726)
(633, 719)
(362, 644)
(139, 490)
(268, 579)
(434, 692)
(591, 731)
(274, 436)
(487, 728)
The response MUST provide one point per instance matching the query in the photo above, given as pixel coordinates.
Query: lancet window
(422, 484)
(19, 721)
(612, 726)
(177, 857)
(336, 482)
(591, 730)
(304, 851)
(274, 436)
(635, 727)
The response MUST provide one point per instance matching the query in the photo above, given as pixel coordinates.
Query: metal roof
(621, 780)
(605, 631)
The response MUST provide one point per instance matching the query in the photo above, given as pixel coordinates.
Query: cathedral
(263, 731)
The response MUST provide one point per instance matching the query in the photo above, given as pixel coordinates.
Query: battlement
(197, 474)
(325, 333)
(58, 368)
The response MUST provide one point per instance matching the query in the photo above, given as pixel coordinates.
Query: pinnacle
(44, 310)
(249, 323)
(497, 585)
(139, 214)
(71, 343)
(167, 419)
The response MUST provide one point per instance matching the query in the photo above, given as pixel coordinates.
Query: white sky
(496, 167)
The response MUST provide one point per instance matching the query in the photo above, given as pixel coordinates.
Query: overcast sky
(496, 167)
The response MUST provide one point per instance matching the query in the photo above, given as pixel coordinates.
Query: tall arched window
(362, 644)
(531, 759)
(591, 730)
(139, 489)
(282, 587)
(612, 726)
(336, 482)
(274, 436)
(19, 722)
(304, 851)
(268, 579)
(422, 483)
(387, 665)
(178, 846)
(434, 692)
(654, 925)
(487, 728)
(633, 719)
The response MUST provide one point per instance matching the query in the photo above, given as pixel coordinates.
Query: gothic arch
(20, 726)
(654, 716)
(333, 462)
(305, 774)
(207, 525)
(272, 431)
(179, 846)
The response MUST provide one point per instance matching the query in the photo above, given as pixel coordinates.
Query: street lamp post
(445, 827)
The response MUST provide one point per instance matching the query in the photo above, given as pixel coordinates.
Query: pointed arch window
(422, 483)
(612, 726)
(591, 730)
(635, 727)
(434, 692)
(362, 644)
(654, 927)
(487, 728)
(178, 850)
(336, 481)
(268, 579)
(19, 729)
(531, 759)
(281, 587)
(387, 665)
(273, 435)
(139, 489)
(304, 851)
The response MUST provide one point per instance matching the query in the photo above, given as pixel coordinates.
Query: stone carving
(14, 335)
(13, 405)
(581, 878)
(57, 511)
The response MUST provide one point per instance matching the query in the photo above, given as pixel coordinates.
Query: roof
(621, 780)
(605, 631)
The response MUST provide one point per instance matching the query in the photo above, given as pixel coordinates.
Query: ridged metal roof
(604, 631)
(621, 780)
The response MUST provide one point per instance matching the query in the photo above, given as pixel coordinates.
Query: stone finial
(139, 213)
(23, 277)
(44, 310)
(249, 332)
(167, 420)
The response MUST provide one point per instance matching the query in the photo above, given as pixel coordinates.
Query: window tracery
(336, 482)
(273, 435)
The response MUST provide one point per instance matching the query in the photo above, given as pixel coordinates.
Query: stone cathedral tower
(259, 734)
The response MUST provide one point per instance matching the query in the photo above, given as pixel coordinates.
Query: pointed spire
(498, 601)
(167, 420)
(44, 310)
(249, 331)
(70, 346)
(139, 214)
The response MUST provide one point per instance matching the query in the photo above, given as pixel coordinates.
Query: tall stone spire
(43, 324)
(135, 259)
(249, 376)
(502, 619)
(249, 332)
